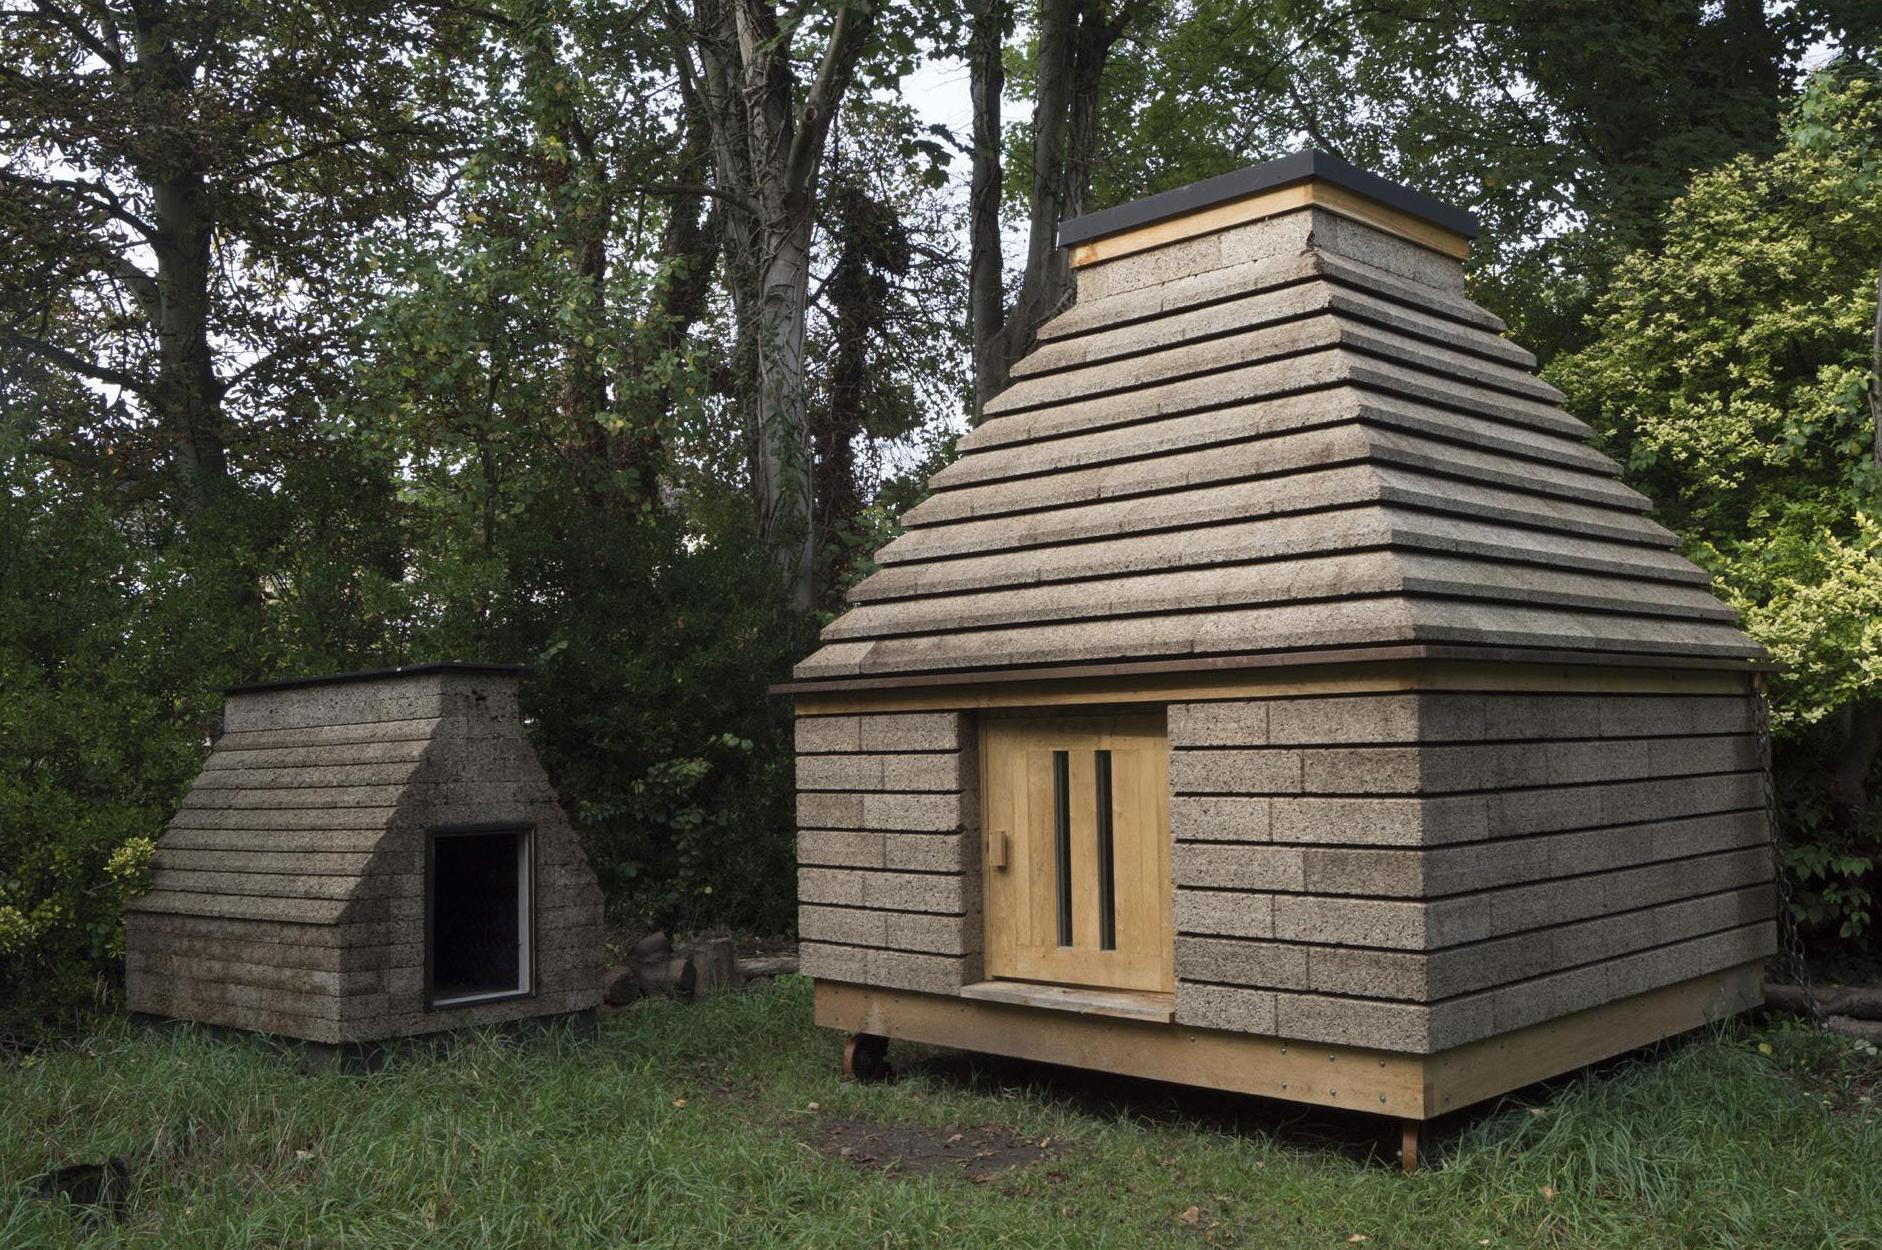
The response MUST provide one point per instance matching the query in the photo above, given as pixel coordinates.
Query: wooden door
(1076, 847)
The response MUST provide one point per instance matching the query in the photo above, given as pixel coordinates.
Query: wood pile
(655, 968)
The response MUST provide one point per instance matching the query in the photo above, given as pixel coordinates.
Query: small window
(479, 908)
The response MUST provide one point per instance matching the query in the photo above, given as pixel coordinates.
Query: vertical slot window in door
(1107, 858)
(1062, 839)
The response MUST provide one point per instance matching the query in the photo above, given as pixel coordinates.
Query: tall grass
(690, 1126)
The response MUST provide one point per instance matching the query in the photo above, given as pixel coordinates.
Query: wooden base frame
(1409, 1087)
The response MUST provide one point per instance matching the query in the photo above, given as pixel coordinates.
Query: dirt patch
(980, 1154)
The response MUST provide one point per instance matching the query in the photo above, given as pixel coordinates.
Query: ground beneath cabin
(723, 1124)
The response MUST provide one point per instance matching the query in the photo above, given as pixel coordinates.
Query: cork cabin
(368, 856)
(1278, 694)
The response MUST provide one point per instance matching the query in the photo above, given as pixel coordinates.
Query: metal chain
(1788, 932)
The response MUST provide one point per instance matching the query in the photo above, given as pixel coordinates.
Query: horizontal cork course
(888, 849)
(1281, 436)
(1418, 871)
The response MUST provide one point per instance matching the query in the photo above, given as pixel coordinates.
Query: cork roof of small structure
(1291, 435)
(289, 820)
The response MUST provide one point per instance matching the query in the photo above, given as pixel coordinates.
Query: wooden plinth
(1412, 1087)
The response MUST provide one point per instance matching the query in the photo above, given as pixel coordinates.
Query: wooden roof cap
(1300, 179)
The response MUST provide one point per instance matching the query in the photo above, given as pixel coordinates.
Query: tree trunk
(1047, 274)
(1075, 40)
(186, 395)
(783, 428)
(855, 308)
(1755, 58)
(770, 153)
(717, 81)
(690, 245)
(986, 277)
(1091, 48)
(1848, 781)
(781, 462)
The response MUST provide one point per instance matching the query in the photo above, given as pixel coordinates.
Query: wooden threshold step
(1082, 1000)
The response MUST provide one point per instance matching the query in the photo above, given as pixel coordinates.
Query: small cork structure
(368, 856)
(1278, 693)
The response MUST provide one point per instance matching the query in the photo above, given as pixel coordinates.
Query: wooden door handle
(996, 849)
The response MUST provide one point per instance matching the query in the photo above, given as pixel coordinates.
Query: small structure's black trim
(378, 674)
(530, 990)
(1239, 185)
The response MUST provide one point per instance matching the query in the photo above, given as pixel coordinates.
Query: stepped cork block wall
(368, 856)
(1278, 693)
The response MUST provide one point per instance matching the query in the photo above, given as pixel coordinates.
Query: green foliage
(462, 417)
(1729, 373)
(648, 703)
(1565, 125)
(97, 735)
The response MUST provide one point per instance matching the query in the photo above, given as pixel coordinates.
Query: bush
(97, 738)
(1729, 372)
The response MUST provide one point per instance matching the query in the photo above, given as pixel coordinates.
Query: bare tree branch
(690, 188)
(76, 28)
(334, 145)
(100, 462)
(293, 346)
(92, 191)
(74, 362)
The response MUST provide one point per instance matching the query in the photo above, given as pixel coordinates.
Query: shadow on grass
(1355, 1136)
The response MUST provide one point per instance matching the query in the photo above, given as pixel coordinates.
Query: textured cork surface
(287, 894)
(1416, 871)
(1279, 440)
(1289, 435)
(1404, 871)
(888, 850)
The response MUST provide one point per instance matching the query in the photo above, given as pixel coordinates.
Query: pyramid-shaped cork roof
(1273, 424)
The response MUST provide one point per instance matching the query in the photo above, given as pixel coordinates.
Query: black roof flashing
(379, 674)
(1242, 183)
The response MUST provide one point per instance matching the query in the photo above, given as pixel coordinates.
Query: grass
(709, 1125)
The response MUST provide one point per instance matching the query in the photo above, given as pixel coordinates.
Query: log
(620, 985)
(674, 974)
(761, 966)
(650, 947)
(1849, 1026)
(716, 966)
(663, 974)
(1862, 1002)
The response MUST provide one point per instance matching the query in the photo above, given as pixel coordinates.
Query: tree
(990, 24)
(1729, 370)
(597, 133)
(1057, 162)
(1566, 125)
(768, 136)
(886, 335)
(178, 177)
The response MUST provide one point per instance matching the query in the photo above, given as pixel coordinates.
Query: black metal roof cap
(379, 674)
(1295, 167)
